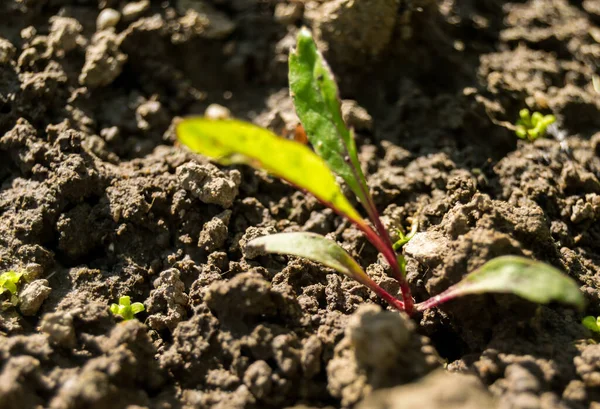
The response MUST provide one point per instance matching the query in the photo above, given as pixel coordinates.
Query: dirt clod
(32, 296)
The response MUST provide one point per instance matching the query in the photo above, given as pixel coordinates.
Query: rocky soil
(98, 201)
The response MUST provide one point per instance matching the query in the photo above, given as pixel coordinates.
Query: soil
(98, 201)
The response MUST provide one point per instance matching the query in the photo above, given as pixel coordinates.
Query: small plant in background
(317, 104)
(533, 126)
(8, 283)
(125, 309)
(592, 323)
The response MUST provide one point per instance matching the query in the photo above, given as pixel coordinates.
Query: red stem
(390, 256)
(439, 299)
(390, 299)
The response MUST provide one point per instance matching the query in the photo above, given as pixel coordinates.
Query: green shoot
(8, 283)
(404, 238)
(316, 99)
(592, 323)
(532, 127)
(125, 309)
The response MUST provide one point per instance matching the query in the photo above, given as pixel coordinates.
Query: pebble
(133, 10)
(107, 18)
(216, 111)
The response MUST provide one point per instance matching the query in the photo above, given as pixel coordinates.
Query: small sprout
(404, 238)
(592, 323)
(315, 95)
(8, 282)
(533, 126)
(125, 309)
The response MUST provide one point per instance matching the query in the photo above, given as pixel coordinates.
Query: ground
(98, 201)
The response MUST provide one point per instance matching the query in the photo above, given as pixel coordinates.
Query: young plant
(315, 96)
(592, 323)
(125, 309)
(532, 127)
(8, 283)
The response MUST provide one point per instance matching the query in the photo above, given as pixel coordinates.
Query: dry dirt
(98, 201)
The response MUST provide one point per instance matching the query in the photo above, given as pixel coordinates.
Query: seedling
(315, 96)
(8, 283)
(533, 126)
(592, 323)
(125, 309)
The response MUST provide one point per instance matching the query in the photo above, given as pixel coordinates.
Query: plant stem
(390, 299)
(439, 299)
(385, 247)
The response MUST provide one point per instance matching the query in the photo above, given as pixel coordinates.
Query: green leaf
(114, 308)
(9, 281)
(232, 141)
(313, 247)
(125, 301)
(317, 248)
(533, 280)
(591, 323)
(317, 103)
(137, 307)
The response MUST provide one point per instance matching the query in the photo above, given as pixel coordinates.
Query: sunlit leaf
(137, 307)
(9, 281)
(317, 103)
(533, 280)
(321, 250)
(238, 142)
(114, 308)
(592, 323)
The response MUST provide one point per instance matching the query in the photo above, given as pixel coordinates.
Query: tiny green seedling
(8, 283)
(125, 309)
(592, 323)
(317, 104)
(533, 126)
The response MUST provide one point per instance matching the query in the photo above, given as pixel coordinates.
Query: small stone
(32, 271)
(59, 328)
(378, 337)
(258, 379)
(356, 116)
(64, 33)
(133, 10)
(288, 13)
(204, 20)
(151, 115)
(107, 18)
(214, 232)
(216, 111)
(32, 297)
(251, 234)
(103, 60)
(7, 51)
(209, 184)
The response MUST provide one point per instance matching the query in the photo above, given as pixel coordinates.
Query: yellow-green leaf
(237, 142)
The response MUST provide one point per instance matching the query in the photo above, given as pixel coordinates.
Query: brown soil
(97, 202)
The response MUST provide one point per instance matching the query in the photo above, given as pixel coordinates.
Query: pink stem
(437, 300)
(390, 256)
(390, 299)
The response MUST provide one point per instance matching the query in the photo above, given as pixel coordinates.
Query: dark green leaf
(317, 103)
